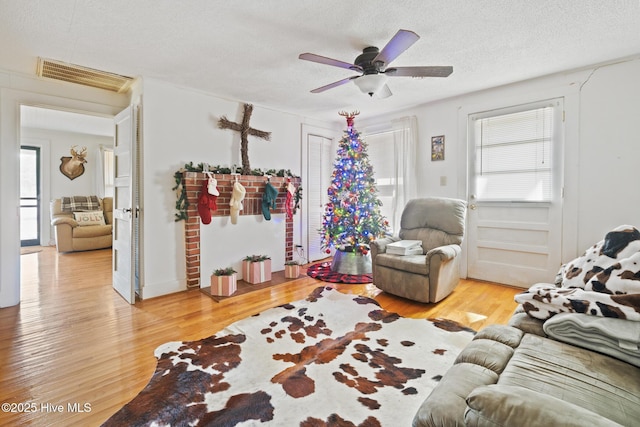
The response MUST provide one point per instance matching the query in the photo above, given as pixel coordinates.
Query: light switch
(443, 181)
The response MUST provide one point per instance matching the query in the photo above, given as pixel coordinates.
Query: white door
(514, 231)
(320, 166)
(124, 211)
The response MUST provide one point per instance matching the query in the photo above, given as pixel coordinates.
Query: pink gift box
(291, 271)
(223, 286)
(256, 272)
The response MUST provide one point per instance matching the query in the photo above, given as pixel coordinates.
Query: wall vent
(82, 75)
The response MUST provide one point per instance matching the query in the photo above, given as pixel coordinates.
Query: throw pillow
(89, 218)
(79, 203)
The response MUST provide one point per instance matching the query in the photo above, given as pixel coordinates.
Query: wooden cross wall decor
(245, 130)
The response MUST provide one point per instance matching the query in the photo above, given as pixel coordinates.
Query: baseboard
(161, 289)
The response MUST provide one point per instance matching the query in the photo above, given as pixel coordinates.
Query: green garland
(224, 271)
(256, 258)
(297, 198)
(181, 192)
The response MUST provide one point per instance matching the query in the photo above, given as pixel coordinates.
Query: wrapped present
(291, 271)
(256, 271)
(405, 247)
(223, 285)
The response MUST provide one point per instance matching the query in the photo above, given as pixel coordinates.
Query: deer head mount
(73, 166)
(349, 116)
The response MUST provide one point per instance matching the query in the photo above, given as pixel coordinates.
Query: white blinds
(513, 156)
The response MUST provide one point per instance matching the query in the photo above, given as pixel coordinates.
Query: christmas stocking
(212, 189)
(212, 186)
(289, 203)
(204, 209)
(269, 200)
(235, 205)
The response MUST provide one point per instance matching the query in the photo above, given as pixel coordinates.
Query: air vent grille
(82, 75)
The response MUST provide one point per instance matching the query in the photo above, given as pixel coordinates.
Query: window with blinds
(513, 155)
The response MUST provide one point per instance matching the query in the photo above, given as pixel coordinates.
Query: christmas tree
(352, 216)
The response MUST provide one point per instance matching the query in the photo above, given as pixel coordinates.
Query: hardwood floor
(73, 352)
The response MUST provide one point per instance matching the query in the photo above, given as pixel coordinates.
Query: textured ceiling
(248, 51)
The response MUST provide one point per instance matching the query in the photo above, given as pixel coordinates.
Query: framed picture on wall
(437, 147)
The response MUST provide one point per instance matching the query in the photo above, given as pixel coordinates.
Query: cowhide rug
(331, 359)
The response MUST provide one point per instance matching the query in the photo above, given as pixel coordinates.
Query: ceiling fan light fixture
(373, 64)
(371, 83)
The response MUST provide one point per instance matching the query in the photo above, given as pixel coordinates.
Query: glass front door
(29, 196)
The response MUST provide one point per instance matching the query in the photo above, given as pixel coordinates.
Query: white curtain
(109, 174)
(405, 139)
(104, 172)
(99, 172)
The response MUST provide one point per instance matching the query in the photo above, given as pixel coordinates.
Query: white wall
(225, 245)
(59, 144)
(15, 90)
(180, 126)
(609, 171)
(601, 145)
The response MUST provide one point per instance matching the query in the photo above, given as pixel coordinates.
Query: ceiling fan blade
(328, 61)
(385, 92)
(334, 84)
(398, 44)
(434, 71)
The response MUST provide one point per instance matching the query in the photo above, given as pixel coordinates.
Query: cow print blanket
(331, 359)
(604, 281)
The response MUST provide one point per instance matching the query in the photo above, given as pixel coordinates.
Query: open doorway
(47, 136)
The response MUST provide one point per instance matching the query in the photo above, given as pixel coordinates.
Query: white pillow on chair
(89, 218)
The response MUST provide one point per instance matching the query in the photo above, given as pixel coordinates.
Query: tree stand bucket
(351, 263)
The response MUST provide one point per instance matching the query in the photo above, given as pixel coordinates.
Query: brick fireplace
(254, 185)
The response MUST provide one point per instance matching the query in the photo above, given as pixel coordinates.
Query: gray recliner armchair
(439, 223)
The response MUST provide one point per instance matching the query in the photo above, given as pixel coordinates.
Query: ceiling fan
(373, 63)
